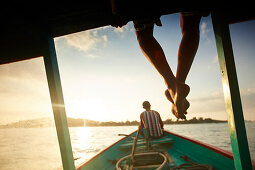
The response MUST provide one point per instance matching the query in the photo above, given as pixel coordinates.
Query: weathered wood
(231, 91)
(58, 106)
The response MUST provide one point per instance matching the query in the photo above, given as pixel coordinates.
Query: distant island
(73, 122)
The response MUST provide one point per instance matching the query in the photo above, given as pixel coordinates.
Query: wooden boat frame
(42, 44)
(205, 145)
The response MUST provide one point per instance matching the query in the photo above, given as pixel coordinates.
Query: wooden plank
(58, 106)
(19, 43)
(23, 24)
(233, 103)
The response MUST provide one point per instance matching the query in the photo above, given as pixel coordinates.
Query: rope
(139, 154)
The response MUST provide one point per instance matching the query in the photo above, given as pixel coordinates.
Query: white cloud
(92, 56)
(119, 30)
(24, 91)
(215, 59)
(217, 93)
(204, 29)
(208, 104)
(126, 28)
(105, 38)
(247, 92)
(91, 40)
(86, 41)
(213, 62)
(214, 102)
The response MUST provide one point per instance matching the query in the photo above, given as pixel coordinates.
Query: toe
(168, 96)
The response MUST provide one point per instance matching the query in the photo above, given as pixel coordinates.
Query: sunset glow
(105, 76)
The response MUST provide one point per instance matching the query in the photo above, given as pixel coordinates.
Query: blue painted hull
(174, 145)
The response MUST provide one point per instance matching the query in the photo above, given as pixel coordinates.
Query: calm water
(37, 148)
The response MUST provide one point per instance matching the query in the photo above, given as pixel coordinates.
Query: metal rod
(58, 106)
(231, 92)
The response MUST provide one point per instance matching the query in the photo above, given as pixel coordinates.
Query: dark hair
(146, 104)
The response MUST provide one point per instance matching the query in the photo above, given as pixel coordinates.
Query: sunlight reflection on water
(37, 148)
(98, 138)
(88, 141)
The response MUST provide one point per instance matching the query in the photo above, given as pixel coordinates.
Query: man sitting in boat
(151, 120)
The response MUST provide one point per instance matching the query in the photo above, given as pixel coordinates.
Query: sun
(88, 109)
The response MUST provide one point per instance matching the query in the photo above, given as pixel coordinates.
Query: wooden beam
(231, 91)
(58, 106)
(21, 43)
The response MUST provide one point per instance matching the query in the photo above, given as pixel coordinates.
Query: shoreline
(77, 122)
(74, 122)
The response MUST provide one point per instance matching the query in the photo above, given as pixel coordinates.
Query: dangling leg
(187, 49)
(155, 54)
(188, 46)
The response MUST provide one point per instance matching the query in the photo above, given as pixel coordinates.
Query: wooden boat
(179, 151)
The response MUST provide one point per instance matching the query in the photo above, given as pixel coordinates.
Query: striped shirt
(152, 121)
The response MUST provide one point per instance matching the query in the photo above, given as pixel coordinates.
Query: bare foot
(178, 98)
(185, 102)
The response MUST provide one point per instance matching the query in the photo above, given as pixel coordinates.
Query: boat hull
(178, 146)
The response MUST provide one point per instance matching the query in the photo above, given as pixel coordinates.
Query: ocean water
(37, 148)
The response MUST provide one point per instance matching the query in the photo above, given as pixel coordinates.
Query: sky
(105, 76)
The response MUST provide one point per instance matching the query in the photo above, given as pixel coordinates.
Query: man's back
(152, 121)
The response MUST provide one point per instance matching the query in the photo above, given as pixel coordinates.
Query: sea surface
(37, 148)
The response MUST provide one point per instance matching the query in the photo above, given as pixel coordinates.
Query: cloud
(90, 41)
(92, 56)
(214, 102)
(24, 91)
(248, 92)
(217, 95)
(24, 78)
(123, 30)
(213, 62)
(215, 59)
(86, 41)
(105, 38)
(210, 102)
(204, 29)
(119, 30)
(31, 69)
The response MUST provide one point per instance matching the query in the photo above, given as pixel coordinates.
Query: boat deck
(175, 146)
